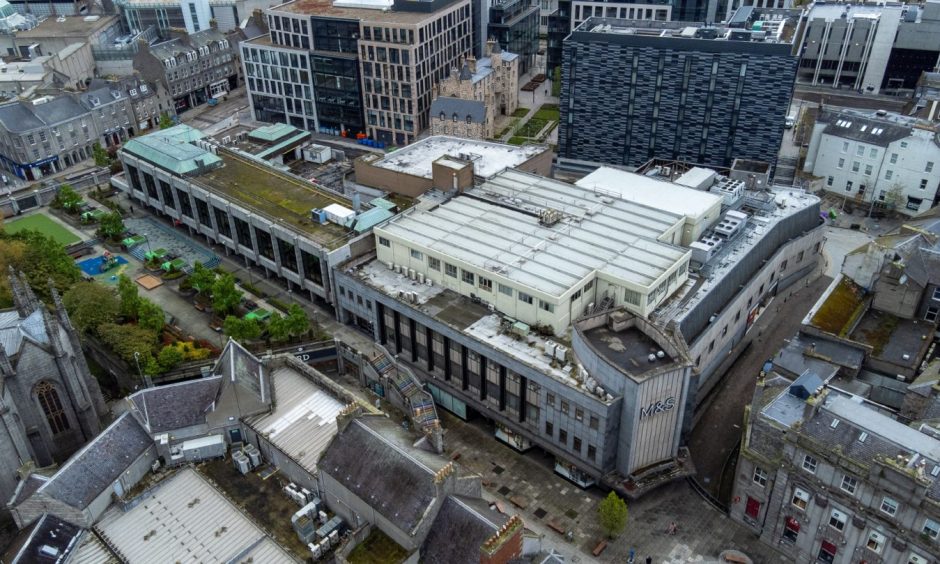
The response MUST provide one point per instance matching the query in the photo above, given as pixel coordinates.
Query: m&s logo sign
(660, 406)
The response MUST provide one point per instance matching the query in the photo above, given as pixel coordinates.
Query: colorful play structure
(108, 261)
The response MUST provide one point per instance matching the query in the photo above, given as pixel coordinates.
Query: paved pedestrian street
(526, 483)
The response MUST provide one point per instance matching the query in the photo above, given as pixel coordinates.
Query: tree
(297, 321)
(91, 305)
(130, 299)
(169, 358)
(102, 158)
(166, 121)
(225, 295)
(40, 258)
(241, 329)
(125, 340)
(894, 196)
(612, 513)
(202, 278)
(150, 316)
(278, 327)
(68, 199)
(111, 226)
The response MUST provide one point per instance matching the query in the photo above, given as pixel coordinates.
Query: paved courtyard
(160, 236)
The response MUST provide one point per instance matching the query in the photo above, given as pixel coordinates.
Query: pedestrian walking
(649, 560)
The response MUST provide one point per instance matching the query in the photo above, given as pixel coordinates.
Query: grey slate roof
(18, 117)
(459, 530)
(27, 488)
(52, 532)
(862, 126)
(98, 464)
(14, 330)
(463, 108)
(167, 408)
(177, 46)
(371, 459)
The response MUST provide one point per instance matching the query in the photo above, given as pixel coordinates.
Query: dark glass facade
(515, 25)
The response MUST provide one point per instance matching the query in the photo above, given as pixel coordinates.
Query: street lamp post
(140, 374)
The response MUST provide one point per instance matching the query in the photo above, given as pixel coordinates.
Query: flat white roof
(652, 192)
(496, 227)
(186, 520)
(304, 420)
(488, 158)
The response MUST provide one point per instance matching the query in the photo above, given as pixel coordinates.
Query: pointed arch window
(52, 407)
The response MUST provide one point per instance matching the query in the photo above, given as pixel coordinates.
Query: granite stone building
(51, 133)
(192, 67)
(824, 476)
(343, 68)
(470, 99)
(50, 404)
(636, 90)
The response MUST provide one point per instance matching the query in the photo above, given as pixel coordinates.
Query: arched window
(455, 118)
(52, 407)
(443, 117)
(468, 119)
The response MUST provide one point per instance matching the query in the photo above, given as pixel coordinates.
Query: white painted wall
(907, 163)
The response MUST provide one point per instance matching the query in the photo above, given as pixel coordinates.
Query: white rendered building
(886, 160)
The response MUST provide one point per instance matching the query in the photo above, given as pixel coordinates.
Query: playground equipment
(108, 261)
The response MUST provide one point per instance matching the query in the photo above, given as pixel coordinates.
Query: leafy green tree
(612, 514)
(241, 329)
(130, 299)
(202, 278)
(166, 121)
(125, 340)
(91, 305)
(169, 358)
(297, 321)
(102, 158)
(68, 199)
(111, 226)
(225, 295)
(150, 316)
(278, 327)
(40, 258)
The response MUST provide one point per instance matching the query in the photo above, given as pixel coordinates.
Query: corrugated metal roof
(498, 230)
(186, 519)
(304, 420)
(93, 551)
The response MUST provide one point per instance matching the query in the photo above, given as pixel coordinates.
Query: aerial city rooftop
(468, 283)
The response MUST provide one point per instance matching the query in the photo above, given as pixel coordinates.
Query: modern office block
(637, 90)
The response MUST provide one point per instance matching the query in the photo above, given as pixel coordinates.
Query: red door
(752, 509)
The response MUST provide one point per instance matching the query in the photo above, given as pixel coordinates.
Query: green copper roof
(173, 149)
(272, 133)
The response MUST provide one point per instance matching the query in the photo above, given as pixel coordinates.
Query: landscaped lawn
(520, 112)
(45, 225)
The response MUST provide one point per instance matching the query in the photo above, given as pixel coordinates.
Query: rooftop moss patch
(840, 307)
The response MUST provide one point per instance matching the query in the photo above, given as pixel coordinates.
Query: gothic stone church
(50, 404)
